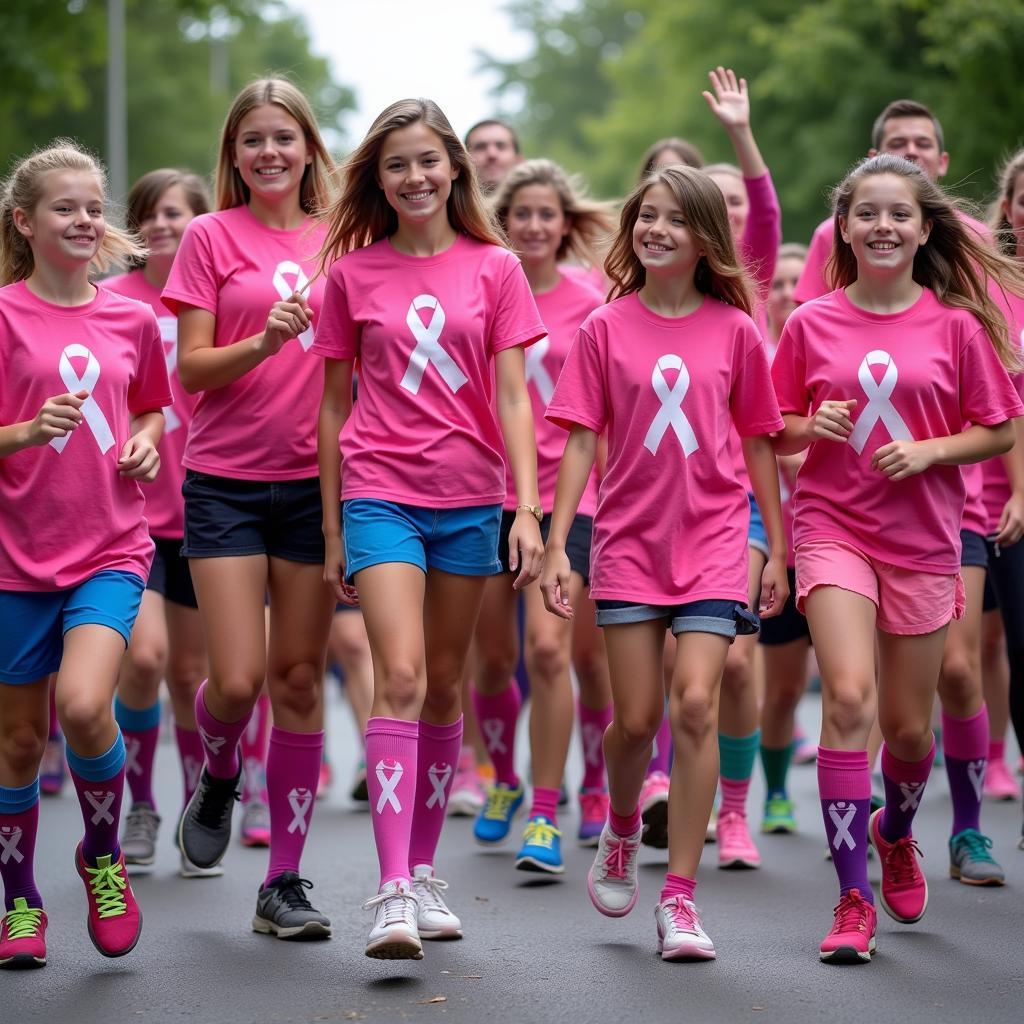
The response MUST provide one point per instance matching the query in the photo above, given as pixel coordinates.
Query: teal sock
(736, 756)
(776, 763)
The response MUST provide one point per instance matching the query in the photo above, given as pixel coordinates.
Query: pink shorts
(908, 602)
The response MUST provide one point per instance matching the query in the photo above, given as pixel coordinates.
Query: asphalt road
(534, 951)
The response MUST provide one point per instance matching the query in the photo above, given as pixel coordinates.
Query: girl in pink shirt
(668, 368)
(891, 390)
(240, 286)
(438, 312)
(547, 222)
(82, 388)
(167, 640)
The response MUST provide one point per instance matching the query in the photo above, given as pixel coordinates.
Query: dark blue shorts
(973, 550)
(790, 625)
(170, 576)
(577, 544)
(724, 618)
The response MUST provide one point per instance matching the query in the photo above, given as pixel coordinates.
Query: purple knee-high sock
(844, 786)
(904, 787)
(99, 782)
(19, 823)
(141, 730)
(965, 746)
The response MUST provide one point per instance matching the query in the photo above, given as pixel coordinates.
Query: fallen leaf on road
(434, 999)
(473, 977)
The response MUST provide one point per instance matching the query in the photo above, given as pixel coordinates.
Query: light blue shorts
(463, 541)
(33, 623)
(756, 536)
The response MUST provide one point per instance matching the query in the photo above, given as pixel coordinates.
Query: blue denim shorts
(34, 622)
(463, 541)
(756, 536)
(724, 618)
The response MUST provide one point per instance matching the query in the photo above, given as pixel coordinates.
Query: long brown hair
(230, 189)
(361, 215)
(146, 193)
(23, 190)
(1004, 235)
(955, 263)
(590, 222)
(719, 272)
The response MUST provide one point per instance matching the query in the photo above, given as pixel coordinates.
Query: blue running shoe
(494, 821)
(542, 848)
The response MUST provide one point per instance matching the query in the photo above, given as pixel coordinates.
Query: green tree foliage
(819, 73)
(185, 60)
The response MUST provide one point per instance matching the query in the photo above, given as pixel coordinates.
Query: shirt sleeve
(337, 333)
(812, 281)
(193, 280)
(789, 373)
(579, 396)
(763, 232)
(752, 401)
(987, 395)
(150, 388)
(516, 320)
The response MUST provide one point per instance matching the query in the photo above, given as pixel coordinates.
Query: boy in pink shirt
(905, 390)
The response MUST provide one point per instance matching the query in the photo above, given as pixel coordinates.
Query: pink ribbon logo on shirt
(169, 336)
(286, 290)
(92, 413)
(537, 372)
(428, 348)
(879, 407)
(671, 412)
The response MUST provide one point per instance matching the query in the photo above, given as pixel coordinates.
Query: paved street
(534, 951)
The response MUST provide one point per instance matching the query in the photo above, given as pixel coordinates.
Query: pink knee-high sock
(497, 716)
(391, 762)
(678, 885)
(662, 750)
(544, 804)
(293, 767)
(190, 753)
(734, 796)
(254, 752)
(141, 731)
(996, 748)
(436, 758)
(904, 786)
(965, 744)
(844, 786)
(593, 724)
(220, 739)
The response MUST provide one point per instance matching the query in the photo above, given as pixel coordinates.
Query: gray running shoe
(970, 860)
(255, 830)
(138, 843)
(282, 909)
(205, 829)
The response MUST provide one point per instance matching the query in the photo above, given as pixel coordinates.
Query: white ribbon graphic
(132, 747)
(91, 412)
(494, 733)
(911, 795)
(842, 823)
(428, 349)
(169, 336)
(299, 800)
(285, 290)
(879, 405)
(212, 743)
(100, 800)
(592, 735)
(389, 783)
(438, 775)
(537, 372)
(671, 412)
(976, 773)
(9, 839)
(191, 767)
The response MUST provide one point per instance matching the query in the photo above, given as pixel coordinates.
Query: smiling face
(270, 152)
(885, 226)
(161, 229)
(537, 225)
(415, 173)
(737, 204)
(66, 226)
(914, 139)
(661, 240)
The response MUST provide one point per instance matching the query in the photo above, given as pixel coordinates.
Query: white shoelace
(397, 906)
(429, 890)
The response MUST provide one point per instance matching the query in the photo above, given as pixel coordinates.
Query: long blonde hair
(1004, 235)
(955, 262)
(23, 190)
(719, 272)
(230, 189)
(590, 222)
(361, 215)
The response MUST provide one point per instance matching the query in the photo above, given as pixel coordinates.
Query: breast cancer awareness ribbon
(537, 372)
(842, 815)
(388, 785)
(438, 775)
(192, 768)
(911, 795)
(169, 336)
(299, 800)
(494, 732)
(879, 405)
(286, 290)
(10, 837)
(671, 412)
(100, 801)
(428, 349)
(976, 773)
(91, 412)
(132, 748)
(593, 737)
(212, 743)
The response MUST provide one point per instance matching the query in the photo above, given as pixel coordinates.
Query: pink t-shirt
(67, 512)
(165, 506)
(562, 310)
(812, 281)
(671, 523)
(425, 331)
(261, 426)
(928, 371)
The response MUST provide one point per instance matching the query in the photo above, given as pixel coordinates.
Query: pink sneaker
(999, 783)
(654, 810)
(735, 847)
(23, 936)
(115, 921)
(852, 939)
(904, 889)
(467, 797)
(255, 831)
(805, 751)
(593, 814)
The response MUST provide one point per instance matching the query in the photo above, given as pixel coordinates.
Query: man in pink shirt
(494, 147)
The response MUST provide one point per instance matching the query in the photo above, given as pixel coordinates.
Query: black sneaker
(283, 910)
(205, 829)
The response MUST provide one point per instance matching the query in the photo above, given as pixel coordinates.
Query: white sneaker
(611, 881)
(394, 935)
(433, 918)
(681, 936)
